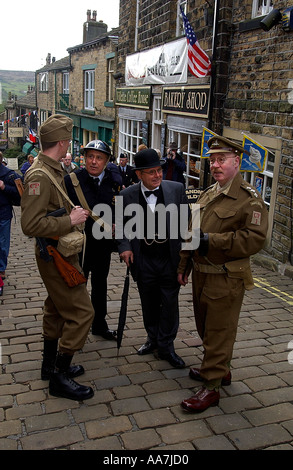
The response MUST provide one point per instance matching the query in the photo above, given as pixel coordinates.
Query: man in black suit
(153, 251)
(99, 185)
(127, 173)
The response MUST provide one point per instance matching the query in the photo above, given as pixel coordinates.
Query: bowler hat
(57, 127)
(220, 144)
(147, 158)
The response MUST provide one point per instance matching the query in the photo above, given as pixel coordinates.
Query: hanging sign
(206, 135)
(162, 65)
(256, 156)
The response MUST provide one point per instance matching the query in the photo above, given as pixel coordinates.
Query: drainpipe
(213, 76)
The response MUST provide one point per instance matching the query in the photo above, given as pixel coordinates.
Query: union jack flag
(198, 61)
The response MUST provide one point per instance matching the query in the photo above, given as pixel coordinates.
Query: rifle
(19, 185)
(69, 273)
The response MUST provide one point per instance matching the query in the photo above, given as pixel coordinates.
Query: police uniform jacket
(41, 197)
(128, 176)
(9, 196)
(236, 222)
(94, 193)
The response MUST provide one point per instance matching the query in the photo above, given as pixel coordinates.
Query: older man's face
(151, 177)
(95, 162)
(224, 166)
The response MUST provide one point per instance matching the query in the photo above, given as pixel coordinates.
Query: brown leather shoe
(194, 374)
(202, 400)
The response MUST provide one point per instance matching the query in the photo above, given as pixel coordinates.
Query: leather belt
(210, 269)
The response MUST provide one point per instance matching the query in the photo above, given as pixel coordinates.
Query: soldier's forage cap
(220, 144)
(57, 127)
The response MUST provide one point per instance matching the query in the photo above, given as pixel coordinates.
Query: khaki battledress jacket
(236, 220)
(68, 311)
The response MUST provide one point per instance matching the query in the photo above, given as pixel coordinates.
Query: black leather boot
(49, 359)
(61, 385)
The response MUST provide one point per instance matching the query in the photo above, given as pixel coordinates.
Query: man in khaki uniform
(68, 312)
(233, 227)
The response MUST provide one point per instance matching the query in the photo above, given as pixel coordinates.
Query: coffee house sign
(186, 100)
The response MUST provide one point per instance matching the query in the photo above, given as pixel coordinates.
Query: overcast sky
(32, 29)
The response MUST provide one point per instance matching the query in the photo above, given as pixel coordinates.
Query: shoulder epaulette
(250, 189)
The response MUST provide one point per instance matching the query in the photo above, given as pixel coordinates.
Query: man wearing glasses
(153, 251)
(234, 223)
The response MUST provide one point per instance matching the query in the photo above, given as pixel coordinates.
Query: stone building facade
(81, 85)
(249, 92)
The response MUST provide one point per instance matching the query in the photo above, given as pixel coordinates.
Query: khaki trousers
(217, 303)
(68, 311)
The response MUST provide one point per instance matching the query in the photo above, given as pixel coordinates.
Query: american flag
(198, 61)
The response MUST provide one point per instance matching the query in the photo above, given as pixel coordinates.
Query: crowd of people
(59, 201)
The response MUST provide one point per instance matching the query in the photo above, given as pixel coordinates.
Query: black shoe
(61, 385)
(73, 371)
(49, 359)
(106, 334)
(173, 359)
(146, 348)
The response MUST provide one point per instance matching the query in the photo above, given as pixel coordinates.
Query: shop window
(263, 181)
(130, 137)
(43, 116)
(190, 147)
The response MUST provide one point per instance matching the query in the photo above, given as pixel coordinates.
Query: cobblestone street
(137, 399)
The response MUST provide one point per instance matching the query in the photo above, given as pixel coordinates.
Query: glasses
(153, 172)
(220, 160)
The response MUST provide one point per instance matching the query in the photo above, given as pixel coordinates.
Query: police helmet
(98, 145)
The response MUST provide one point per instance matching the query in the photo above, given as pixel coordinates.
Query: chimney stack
(93, 28)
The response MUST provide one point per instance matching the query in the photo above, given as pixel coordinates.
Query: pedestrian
(174, 166)
(234, 221)
(154, 256)
(98, 186)
(27, 164)
(127, 173)
(67, 164)
(9, 197)
(67, 312)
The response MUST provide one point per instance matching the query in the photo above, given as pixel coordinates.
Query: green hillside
(15, 82)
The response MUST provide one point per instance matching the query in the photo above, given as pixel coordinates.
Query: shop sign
(187, 100)
(15, 132)
(139, 97)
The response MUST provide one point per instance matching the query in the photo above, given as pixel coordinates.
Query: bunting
(17, 118)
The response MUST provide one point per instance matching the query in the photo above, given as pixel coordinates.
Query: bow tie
(155, 193)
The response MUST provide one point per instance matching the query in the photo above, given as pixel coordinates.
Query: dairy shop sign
(188, 100)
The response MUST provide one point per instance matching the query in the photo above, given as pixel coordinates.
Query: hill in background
(15, 82)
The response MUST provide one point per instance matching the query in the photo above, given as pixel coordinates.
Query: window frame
(89, 89)
(261, 8)
(43, 81)
(65, 83)
(111, 88)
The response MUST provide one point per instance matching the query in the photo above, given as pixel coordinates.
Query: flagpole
(212, 82)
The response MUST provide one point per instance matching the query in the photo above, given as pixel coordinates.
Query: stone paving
(136, 405)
